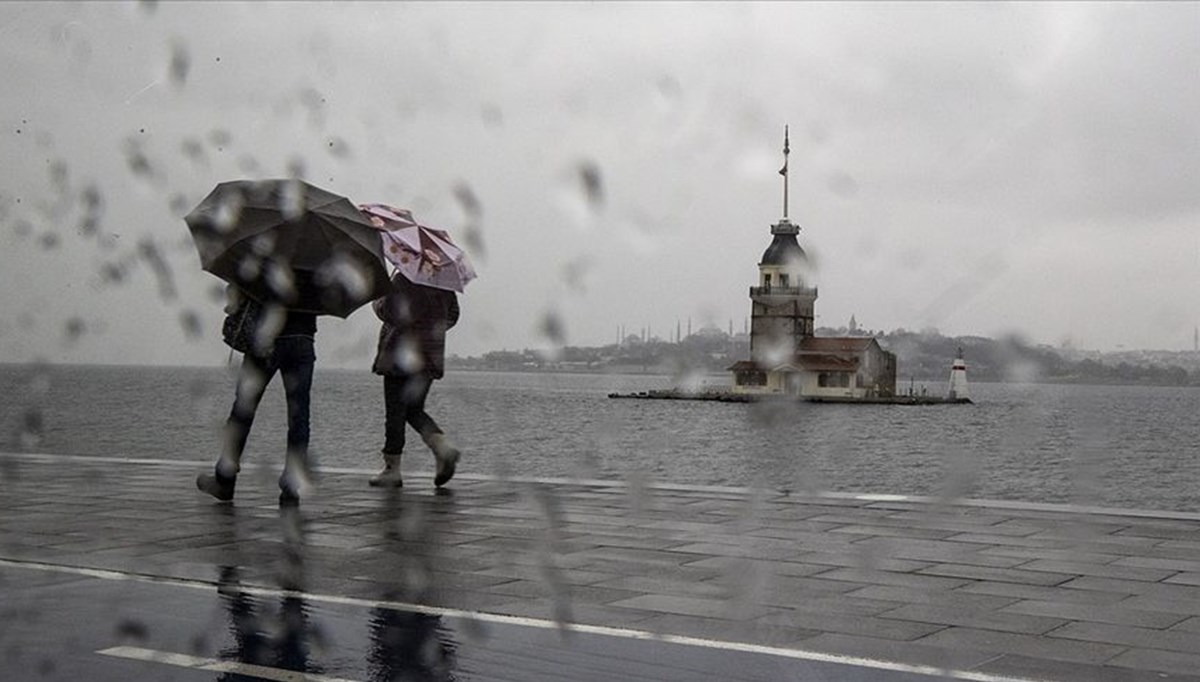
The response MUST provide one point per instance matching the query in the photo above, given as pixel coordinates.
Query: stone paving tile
(982, 619)
(1117, 615)
(864, 626)
(1072, 554)
(945, 598)
(989, 539)
(1153, 659)
(810, 603)
(1098, 570)
(1128, 635)
(692, 606)
(865, 577)
(902, 651)
(1135, 587)
(567, 612)
(1188, 625)
(922, 511)
(1023, 667)
(1011, 575)
(936, 552)
(863, 559)
(1169, 564)
(738, 550)
(563, 575)
(1184, 579)
(1026, 645)
(893, 532)
(724, 630)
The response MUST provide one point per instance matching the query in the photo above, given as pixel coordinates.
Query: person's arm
(453, 312)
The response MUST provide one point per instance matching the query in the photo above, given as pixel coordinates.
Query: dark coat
(413, 337)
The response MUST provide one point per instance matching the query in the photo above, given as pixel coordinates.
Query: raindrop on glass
(74, 329)
(180, 64)
(192, 326)
(132, 630)
(49, 241)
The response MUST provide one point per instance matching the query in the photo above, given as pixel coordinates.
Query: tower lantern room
(782, 302)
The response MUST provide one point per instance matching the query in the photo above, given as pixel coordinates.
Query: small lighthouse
(958, 380)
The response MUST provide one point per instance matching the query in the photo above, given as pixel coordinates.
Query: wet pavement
(118, 569)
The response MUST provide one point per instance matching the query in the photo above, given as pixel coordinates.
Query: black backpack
(241, 327)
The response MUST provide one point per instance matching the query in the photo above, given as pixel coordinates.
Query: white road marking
(538, 623)
(216, 665)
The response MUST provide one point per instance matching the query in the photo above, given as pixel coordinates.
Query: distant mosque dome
(784, 250)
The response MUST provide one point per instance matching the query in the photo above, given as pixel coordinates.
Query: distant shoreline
(623, 370)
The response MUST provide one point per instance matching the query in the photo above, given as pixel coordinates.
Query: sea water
(1119, 446)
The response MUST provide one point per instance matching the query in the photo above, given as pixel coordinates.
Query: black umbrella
(290, 243)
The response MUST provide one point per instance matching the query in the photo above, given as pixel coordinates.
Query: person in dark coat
(284, 344)
(411, 356)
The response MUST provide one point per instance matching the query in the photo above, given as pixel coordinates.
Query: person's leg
(253, 377)
(445, 454)
(297, 358)
(395, 416)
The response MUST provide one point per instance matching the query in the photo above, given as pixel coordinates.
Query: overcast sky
(982, 169)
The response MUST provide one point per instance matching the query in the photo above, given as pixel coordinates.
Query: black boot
(217, 485)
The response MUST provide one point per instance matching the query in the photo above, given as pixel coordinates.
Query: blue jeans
(404, 403)
(293, 357)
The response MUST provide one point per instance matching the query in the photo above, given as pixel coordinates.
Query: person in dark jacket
(285, 344)
(411, 356)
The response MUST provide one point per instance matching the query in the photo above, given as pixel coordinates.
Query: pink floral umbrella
(423, 254)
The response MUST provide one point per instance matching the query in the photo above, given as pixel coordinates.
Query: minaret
(958, 380)
(781, 305)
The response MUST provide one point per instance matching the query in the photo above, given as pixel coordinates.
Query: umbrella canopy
(422, 254)
(290, 243)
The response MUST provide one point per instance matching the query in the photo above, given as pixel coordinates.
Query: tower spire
(784, 171)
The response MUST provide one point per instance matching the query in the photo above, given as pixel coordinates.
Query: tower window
(783, 280)
(767, 280)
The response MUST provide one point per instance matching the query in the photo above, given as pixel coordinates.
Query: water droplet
(74, 329)
(112, 273)
(49, 241)
(58, 175)
(180, 64)
(574, 272)
(153, 257)
(179, 205)
(219, 138)
(296, 168)
(593, 187)
(553, 328)
(132, 630)
(32, 428)
(291, 200)
(468, 201)
(193, 150)
(193, 328)
(338, 148)
(137, 160)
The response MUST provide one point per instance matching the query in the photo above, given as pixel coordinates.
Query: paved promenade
(892, 585)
